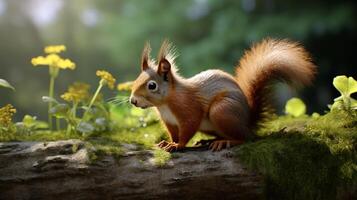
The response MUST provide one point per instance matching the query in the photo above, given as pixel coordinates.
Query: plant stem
(52, 84)
(94, 97)
(96, 93)
(69, 126)
(74, 109)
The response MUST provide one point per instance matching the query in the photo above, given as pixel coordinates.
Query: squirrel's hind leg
(230, 119)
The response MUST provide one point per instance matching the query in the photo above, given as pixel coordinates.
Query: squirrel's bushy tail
(267, 61)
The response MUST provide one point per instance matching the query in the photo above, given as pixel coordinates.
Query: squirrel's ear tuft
(167, 51)
(164, 69)
(166, 58)
(145, 57)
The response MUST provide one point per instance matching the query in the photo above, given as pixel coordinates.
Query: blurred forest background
(110, 35)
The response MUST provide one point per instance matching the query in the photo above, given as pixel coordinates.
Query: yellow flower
(6, 114)
(68, 97)
(55, 49)
(76, 92)
(67, 63)
(107, 77)
(125, 86)
(53, 60)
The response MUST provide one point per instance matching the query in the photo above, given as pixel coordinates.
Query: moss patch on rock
(306, 157)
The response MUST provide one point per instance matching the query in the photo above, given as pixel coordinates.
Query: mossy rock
(306, 158)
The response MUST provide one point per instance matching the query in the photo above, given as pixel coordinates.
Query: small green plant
(295, 107)
(96, 118)
(29, 125)
(55, 63)
(161, 157)
(346, 86)
(99, 116)
(5, 84)
(77, 94)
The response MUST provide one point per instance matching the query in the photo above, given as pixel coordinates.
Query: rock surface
(63, 170)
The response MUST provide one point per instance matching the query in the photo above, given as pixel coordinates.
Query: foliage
(94, 119)
(346, 86)
(29, 125)
(295, 107)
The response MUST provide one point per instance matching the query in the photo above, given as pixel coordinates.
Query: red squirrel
(213, 101)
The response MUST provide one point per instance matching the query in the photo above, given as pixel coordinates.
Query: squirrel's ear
(145, 57)
(164, 69)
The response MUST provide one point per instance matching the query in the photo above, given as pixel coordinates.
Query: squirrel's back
(268, 61)
(213, 82)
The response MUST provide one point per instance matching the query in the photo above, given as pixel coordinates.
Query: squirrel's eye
(152, 85)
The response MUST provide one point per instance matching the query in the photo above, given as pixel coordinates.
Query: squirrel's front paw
(162, 144)
(172, 146)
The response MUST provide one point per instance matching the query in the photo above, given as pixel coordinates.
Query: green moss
(306, 158)
(161, 157)
(146, 136)
(132, 125)
(39, 136)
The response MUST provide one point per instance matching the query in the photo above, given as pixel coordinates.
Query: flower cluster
(55, 49)
(6, 114)
(54, 60)
(77, 92)
(107, 77)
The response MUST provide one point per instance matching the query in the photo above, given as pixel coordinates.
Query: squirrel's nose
(133, 101)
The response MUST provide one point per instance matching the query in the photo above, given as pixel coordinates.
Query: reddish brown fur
(267, 61)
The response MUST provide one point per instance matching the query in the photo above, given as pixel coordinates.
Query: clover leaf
(346, 86)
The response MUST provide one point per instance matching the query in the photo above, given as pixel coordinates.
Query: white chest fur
(166, 115)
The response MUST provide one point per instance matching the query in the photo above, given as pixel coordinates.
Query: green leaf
(28, 120)
(32, 122)
(85, 107)
(337, 105)
(101, 121)
(352, 84)
(346, 86)
(60, 110)
(295, 107)
(4, 83)
(48, 99)
(341, 84)
(85, 127)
